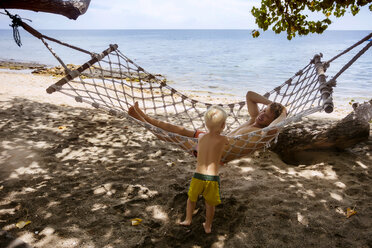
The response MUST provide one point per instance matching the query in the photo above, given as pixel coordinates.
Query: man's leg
(137, 113)
(164, 125)
(132, 112)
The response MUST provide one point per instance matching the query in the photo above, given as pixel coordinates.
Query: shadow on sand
(80, 176)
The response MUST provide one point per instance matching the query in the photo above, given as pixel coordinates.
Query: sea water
(211, 62)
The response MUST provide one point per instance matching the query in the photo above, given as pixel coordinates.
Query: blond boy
(206, 181)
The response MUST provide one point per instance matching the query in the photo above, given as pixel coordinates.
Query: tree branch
(72, 9)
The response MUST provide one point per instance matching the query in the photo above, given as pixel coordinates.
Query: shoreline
(12, 64)
(341, 108)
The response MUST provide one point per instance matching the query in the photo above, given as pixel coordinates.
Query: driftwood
(70, 8)
(323, 135)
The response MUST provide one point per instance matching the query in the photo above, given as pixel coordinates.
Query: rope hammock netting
(112, 82)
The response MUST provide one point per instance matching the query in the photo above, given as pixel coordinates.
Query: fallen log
(324, 135)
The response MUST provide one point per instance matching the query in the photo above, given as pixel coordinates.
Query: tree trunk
(322, 135)
(71, 8)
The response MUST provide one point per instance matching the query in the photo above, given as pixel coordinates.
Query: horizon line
(242, 29)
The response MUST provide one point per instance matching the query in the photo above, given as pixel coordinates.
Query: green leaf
(354, 10)
(255, 33)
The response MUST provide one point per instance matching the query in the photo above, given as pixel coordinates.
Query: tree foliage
(288, 15)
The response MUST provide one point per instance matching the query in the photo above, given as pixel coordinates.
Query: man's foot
(185, 223)
(207, 229)
(139, 111)
(132, 112)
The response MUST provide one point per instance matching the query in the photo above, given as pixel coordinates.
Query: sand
(80, 176)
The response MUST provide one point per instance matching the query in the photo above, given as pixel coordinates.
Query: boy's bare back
(210, 149)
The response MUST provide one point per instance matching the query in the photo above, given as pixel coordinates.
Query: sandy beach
(80, 176)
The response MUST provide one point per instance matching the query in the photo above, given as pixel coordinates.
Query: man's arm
(280, 118)
(252, 100)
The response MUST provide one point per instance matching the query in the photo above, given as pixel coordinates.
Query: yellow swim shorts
(206, 185)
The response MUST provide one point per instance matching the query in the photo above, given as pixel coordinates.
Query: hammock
(112, 82)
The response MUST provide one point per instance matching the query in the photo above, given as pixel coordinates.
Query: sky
(170, 14)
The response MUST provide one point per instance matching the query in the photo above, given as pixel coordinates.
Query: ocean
(212, 62)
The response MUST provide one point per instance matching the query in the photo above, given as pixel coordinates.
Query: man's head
(269, 114)
(215, 118)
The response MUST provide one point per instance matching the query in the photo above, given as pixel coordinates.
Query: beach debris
(136, 221)
(156, 154)
(350, 212)
(22, 224)
(195, 211)
(61, 127)
(171, 164)
(339, 210)
(302, 219)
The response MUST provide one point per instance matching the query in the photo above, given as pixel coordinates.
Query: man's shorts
(206, 185)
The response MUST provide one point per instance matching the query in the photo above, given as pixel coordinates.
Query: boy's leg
(189, 211)
(208, 217)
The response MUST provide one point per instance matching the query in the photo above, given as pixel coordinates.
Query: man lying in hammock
(269, 116)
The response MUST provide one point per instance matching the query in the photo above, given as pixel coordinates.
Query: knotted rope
(16, 22)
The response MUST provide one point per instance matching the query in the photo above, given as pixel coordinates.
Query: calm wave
(211, 61)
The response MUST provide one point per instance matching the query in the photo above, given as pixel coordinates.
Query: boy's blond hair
(215, 117)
